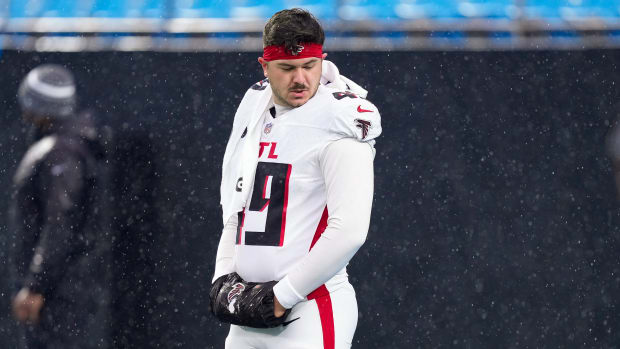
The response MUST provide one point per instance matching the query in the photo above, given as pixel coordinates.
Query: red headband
(304, 50)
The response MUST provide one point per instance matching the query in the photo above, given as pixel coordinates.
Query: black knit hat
(48, 90)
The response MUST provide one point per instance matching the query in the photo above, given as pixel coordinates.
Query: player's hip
(327, 319)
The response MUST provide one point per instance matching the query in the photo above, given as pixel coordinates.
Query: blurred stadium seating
(570, 10)
(324, 9)
(395, 20)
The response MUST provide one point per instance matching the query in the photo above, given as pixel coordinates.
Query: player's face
(293, 81)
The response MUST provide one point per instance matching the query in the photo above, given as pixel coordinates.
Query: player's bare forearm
(278, 309)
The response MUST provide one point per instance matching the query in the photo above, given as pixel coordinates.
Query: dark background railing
(495, 220)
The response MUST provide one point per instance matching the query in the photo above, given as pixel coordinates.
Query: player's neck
(281, 109)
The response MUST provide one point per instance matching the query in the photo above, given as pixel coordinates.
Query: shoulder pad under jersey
(261, 85)
(355, 116)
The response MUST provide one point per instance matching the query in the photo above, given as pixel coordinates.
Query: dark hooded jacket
(57, 210)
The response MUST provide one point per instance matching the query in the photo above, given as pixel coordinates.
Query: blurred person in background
(296, 194)
(56, 216)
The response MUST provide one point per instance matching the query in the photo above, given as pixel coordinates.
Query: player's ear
(263, 64)
(324, 55)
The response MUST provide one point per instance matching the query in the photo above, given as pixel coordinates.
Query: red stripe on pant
(326, 312)
(321, 295)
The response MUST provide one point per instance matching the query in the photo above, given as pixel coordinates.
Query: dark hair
(292, 27)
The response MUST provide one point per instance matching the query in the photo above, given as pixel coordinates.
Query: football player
(296, 194)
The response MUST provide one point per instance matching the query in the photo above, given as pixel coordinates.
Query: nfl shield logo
(268, 128)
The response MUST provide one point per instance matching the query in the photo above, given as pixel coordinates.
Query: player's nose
(298, 76)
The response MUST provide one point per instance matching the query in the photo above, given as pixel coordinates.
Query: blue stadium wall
(495, 220)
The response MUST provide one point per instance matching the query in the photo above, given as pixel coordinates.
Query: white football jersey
(286, 211)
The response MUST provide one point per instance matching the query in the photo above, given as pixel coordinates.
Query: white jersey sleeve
(226, 249)
(347, 166)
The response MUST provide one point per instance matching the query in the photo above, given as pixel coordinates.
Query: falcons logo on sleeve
(364, 125)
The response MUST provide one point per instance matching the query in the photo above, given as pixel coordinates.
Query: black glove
(243, 303)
